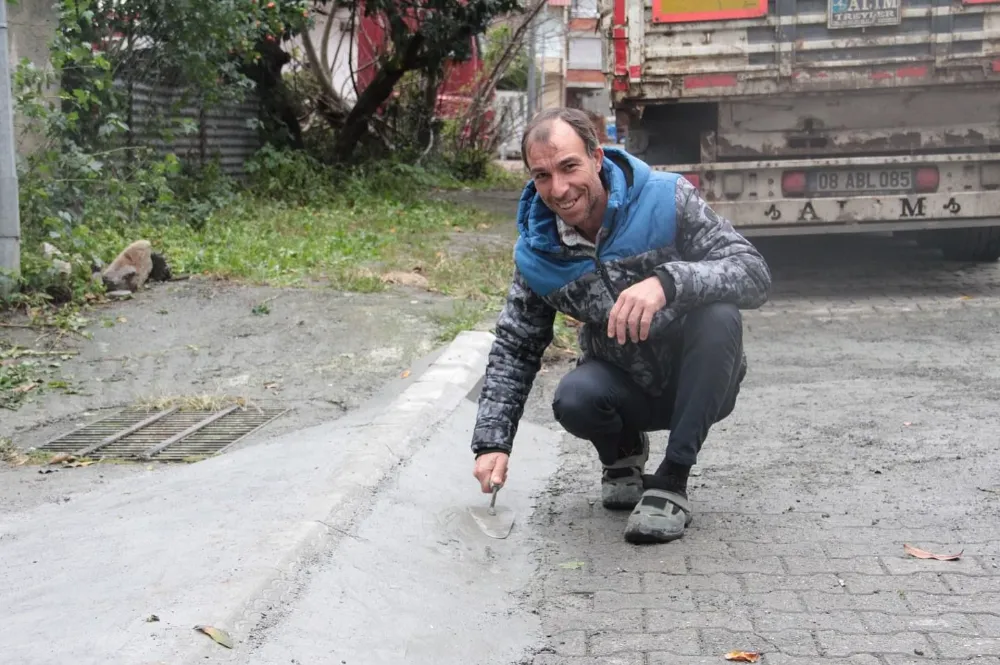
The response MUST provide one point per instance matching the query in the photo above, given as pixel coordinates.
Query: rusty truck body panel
(818, 116)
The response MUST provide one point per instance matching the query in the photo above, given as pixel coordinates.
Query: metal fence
(226, 132)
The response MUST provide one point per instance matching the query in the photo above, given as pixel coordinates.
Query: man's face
(567, 177)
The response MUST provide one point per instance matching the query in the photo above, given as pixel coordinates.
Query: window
(585, 53)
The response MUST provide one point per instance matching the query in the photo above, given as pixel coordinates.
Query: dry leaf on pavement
(743, 656)
(921, 554)
(220, 636)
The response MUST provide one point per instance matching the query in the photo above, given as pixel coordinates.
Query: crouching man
(658, 281)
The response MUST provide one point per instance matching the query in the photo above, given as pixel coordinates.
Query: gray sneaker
(659, 517)
(621, 482)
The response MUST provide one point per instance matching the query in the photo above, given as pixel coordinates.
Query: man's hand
(491, 468)
(633, 313)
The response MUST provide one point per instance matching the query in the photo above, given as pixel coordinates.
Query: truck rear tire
(975, 244)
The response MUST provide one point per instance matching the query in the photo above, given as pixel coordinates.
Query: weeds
(24, 372)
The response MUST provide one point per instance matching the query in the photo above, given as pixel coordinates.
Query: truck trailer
(819, 116)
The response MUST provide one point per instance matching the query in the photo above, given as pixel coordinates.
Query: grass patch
(13, 456)
(277, 244)
(192, 402)
(24, 372)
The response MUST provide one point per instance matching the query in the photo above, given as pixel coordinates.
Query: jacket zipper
(605, 277)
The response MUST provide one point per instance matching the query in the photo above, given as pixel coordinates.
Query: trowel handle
(495, 488)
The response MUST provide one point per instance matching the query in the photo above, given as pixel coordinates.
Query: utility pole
(10, 220)
(531, 70)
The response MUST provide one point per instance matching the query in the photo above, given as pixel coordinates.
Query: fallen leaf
(921, 554)
(965, 298)
(60, 458)
(77, 465)
(25, 387)
(122, 319)
(743, 656)
(220, 636)
(572, 565)
(404, 374)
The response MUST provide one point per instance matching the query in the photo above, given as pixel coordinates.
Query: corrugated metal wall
(226, 131)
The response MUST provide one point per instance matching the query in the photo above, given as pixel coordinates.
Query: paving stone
(928, 603)
(569, 643)
(626, 620)
(845, 622)
(815, 565)
(665, 620)
(843, 355)
(955, 646)
(708, 601)
(786, 659)
(910, 565)
(968, 584)
(891, 602)
(760, 550)
(581, 580)
(757, 583)
(791, 642)
(617, 659)
(636, 560)
(684, 642)
(708, 565)
(660, 658)
(714, 582)
(926, 659)
(862, 584)
(843, 644)
(881, 622)
(605, 601)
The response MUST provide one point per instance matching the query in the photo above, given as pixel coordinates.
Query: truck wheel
(976, 244)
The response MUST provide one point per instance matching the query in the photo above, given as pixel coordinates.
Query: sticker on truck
(862, 13)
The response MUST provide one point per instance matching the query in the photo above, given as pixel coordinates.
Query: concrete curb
(393, 436)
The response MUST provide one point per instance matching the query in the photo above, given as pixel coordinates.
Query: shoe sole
(640, 536)
(620, 505)
(643, 538)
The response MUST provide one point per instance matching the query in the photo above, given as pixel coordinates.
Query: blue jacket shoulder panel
(647, 222)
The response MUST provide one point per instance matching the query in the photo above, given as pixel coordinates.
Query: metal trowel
(495, 522)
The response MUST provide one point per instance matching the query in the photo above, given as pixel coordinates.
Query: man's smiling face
(567, 177)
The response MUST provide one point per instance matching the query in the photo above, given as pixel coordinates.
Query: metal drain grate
(168, 435)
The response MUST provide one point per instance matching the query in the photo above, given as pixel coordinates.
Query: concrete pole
(10, 220)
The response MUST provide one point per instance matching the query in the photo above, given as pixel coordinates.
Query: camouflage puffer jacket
(656, 225)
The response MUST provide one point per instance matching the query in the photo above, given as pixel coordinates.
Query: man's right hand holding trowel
(491, 469)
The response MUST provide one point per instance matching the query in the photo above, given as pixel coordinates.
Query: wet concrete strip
(420, 583)
(208, 543)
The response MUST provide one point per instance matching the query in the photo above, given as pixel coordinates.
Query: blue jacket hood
(624, 177)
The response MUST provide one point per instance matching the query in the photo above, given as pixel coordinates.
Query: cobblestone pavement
(868, 420)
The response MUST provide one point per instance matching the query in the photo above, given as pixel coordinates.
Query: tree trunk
(273, 93)
(430, 107)
(373, 96)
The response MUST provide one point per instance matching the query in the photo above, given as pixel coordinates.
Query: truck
(819, 116)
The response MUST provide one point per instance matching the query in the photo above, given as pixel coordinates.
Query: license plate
(861, 181)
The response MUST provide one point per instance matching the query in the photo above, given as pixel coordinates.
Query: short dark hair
(538, 129)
